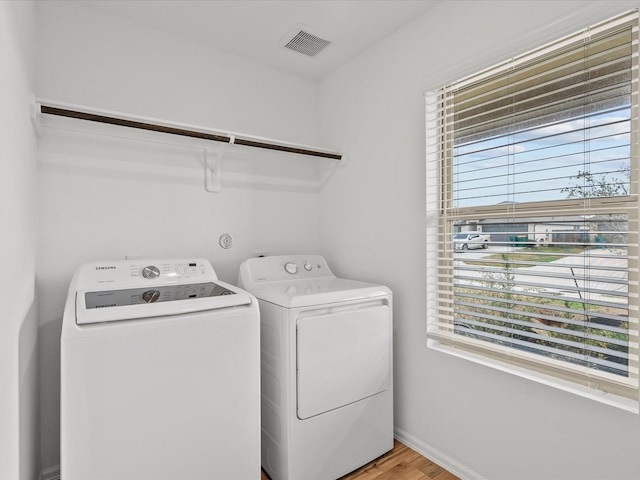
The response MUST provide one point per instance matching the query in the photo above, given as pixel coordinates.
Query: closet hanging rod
(142, 124)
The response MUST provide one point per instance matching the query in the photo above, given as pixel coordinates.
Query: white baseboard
(51, 473)
(436, 456)
(433, 454)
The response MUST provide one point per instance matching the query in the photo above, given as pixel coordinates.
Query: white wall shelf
(213, 156)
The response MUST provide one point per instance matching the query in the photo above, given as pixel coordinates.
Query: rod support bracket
(34, 108)
(212, 169)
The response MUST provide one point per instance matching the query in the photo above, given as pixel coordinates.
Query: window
(532, 211)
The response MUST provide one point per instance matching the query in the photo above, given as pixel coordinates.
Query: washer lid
(303, 293)
(97, 306)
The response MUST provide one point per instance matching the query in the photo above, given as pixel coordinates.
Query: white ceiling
(255, 28)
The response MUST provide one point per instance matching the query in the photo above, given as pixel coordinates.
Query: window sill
(615, 401)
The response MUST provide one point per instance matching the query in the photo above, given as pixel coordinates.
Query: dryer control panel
(284, 268)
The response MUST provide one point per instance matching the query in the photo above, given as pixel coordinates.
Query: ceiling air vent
(306, 41)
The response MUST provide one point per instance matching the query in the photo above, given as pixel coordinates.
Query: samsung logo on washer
(105, 268)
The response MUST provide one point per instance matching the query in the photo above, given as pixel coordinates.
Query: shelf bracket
(34, 109)
(212, 169)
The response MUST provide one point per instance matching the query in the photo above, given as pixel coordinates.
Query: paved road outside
(566, 273)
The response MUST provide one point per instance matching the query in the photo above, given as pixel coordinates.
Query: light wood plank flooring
(401, 463)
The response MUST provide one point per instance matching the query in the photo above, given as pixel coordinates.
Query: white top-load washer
(326, 355)
(159, 374)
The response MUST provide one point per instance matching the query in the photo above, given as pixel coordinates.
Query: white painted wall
(106, 192)
(480, 422)
(18, 322)
(103, 197)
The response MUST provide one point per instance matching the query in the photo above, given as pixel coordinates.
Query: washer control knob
(150, 272)
(151, 296)
(291, 268)
(307, 266)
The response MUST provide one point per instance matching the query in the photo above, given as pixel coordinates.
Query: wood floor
(401, 463)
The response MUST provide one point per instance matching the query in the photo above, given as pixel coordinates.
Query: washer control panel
(141, 273)
(130, 290)
(169, 270)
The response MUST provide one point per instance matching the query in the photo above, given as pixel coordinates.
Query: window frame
(439, 146)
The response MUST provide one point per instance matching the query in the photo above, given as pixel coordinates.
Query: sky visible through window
(540, 163)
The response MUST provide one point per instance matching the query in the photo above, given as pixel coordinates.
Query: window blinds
(540, 153)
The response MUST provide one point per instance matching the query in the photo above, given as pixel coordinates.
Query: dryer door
(343, 355)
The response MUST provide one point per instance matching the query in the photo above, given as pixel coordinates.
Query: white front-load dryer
(326, 356)
(159, 374)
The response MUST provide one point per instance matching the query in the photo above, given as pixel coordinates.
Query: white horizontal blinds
(540, 153)
(525, 128)
(433, 117)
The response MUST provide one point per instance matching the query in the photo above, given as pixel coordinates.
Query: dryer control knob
(307, 267)
(291, 268)
(150, 272)
(151, 296)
